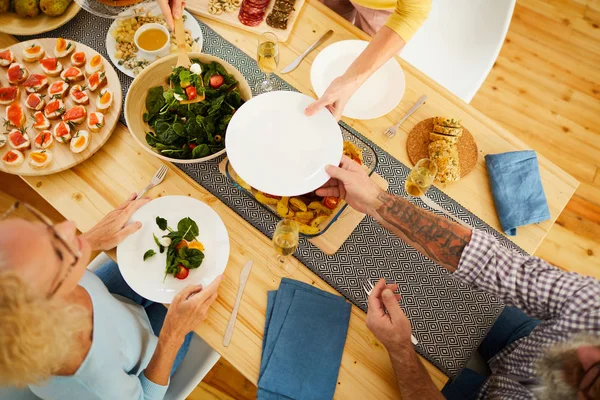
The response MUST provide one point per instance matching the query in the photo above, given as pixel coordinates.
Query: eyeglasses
(75, 253)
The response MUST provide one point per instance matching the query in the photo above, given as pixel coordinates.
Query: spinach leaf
(161, 248)
(149, 254)
(150, 139)
(188, 228)
(202, 150)
(162, 223)
(178, 128)
(190, 258)
(155, 100)
(165, 133)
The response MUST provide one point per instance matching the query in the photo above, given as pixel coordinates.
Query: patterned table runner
(448, 317)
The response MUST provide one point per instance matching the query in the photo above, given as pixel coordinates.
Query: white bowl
(163, 51)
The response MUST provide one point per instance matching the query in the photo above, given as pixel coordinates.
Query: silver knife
(243, 279)
(294, 64)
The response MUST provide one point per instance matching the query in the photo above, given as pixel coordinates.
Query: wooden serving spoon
(182, 58)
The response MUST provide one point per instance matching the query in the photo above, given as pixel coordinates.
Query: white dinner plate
(146, 277)
(277, 149)
(379, 95)
(190, 24)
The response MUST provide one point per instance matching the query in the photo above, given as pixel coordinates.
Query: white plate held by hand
(146, 277)
(277, 149)
(379, 95)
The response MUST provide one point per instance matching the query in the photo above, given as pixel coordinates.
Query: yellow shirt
(408, 15)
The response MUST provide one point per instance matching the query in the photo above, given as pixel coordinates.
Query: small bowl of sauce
(152, 39)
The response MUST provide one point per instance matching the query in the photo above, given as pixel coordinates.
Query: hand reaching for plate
(171, 9)
(334, 99)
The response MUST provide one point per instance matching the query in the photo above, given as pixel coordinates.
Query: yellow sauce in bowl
(152, 39)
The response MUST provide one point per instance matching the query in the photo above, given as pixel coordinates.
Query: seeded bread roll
(447, 131)
(445, 156)
(433, 136)
(450, 122)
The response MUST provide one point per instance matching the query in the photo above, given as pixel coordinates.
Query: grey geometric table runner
(448, 317)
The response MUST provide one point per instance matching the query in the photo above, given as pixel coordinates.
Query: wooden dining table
(88, 191)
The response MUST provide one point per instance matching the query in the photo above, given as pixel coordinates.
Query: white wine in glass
(268, 60)
(285, 242)
(421, 177)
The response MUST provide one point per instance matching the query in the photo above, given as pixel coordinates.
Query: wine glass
(285, 242)
(421, 177)
(268, 60)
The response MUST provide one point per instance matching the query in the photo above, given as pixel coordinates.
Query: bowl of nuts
(126, 56)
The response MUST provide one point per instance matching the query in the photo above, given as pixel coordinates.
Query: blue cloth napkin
(517, 189)
(305, 333)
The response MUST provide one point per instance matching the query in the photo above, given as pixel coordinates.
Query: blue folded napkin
(305, 333)
(517, 189)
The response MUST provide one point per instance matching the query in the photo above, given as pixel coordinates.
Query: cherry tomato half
(182, 273)
(191, 92)
(181, 244)
(356, 159)
(192, 146)
(331, 202)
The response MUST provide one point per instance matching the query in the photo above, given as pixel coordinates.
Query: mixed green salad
(184, 251)
(196, 130)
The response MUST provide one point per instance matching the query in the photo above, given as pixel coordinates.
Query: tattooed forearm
(438, 238)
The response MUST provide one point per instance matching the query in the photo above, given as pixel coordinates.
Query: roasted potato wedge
(298, 204)
(319, 207)
(260, 196)
(307, 229)
(283, 208)
(318, 220)
(305, 215)
(242, 183)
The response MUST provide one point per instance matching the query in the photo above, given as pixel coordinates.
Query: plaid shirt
(566, 303)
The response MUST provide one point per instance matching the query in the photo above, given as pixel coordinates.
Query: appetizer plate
(200, 7)
(146, 277)
(117, 8)
(379, 95)
(63, 157)
(12, 24)
(277, 149)
(191, 24)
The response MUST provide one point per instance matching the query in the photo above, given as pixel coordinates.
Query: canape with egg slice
(95, 121)
(7, 57)
(94, 65)
(33, 52)
(13, 158)
(15, 115)
(16, 73)
(35, 83)
(40, 122)
(78, 59)
(19, 139)
(51, 66)
(63, 47)
(79, 95)
(54, 109)
(43, 140)
(104, 100)
(62, 132)
(96, 81)
(58, 89)
(40, 158)
(80, 141)
(35, 101)
(75, 115)
(72, 74)
(9, 94)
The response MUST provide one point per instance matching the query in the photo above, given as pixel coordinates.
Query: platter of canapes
(60, 101)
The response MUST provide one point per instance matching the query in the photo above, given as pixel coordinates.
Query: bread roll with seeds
(450, 122)
(447, 131)
(433, 136)
(445, 156)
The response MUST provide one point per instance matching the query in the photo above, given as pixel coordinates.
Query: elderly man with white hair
(545, 344)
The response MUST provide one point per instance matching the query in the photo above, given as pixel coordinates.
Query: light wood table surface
(85, 193)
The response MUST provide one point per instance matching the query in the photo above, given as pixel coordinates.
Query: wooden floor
(544, 88)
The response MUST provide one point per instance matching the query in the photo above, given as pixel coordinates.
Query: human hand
(351, 182)
(113, 228)
(171, 9)
(189, 308)
(392, 329)
(334, 99)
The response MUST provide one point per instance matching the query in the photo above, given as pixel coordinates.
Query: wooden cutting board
(64, 158)
(331, 241)
(200, 7)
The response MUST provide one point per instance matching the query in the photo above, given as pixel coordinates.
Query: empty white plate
(277, 149)
(146, 277)
(379, 95)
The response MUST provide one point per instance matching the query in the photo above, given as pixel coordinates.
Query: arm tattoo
(436, 237)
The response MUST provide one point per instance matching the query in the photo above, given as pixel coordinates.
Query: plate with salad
(182, 242)
(171, 128)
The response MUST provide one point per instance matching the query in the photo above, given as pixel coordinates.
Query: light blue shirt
(122, 345)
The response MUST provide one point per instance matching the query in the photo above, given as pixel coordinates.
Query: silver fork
(156, 180)
(368, 288)
(391, 131)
